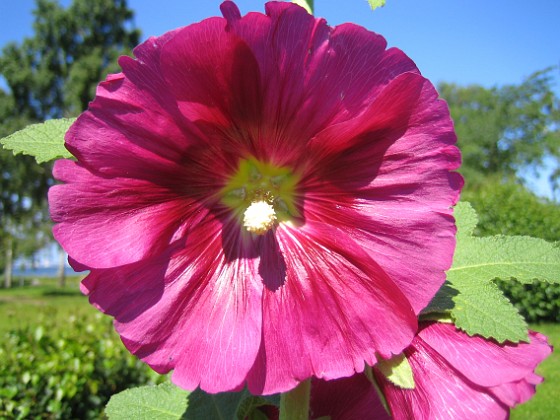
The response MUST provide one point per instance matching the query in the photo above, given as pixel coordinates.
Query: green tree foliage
(54, 74)
(504, 129)
(51, 75)
(23, 189)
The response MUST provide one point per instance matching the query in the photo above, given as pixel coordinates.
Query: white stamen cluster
(259, 217)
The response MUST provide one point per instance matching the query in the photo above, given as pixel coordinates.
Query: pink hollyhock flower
(461, 377)
(261, 199)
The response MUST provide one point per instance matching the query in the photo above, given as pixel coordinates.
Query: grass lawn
(21, 306)
(62, 358)
(545, 405)
(29, 305)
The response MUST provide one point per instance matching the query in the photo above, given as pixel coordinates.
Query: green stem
(294, 405)
(306, 4)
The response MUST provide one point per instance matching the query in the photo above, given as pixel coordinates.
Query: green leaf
(520, 257)
(227, 405)
(374, 4)
(481, 308)
(306, 4)
(44, 141)
(475, 303)
(166, 401)
(398, 371)
(465, 219)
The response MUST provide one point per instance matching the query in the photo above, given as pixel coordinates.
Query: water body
(48, 272)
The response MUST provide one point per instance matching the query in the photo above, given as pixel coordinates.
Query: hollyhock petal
(350, 69)
(76, 266)
(352, 398)
(483, 361)
(440, 393)
(330, 280)
(87, 127)
(194, 310)
(280, 42)
(134, 116)
(219, 79)
(132, 209)
(452, 372)
(114, 125)
(517, 392)
(304, 62)
(396, 159)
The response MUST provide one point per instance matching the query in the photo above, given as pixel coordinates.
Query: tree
(54, 74)
(23, 189)
(504, 129)
(51, 75)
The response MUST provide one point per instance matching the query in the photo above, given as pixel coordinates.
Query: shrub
(537, 302)
(65, 371)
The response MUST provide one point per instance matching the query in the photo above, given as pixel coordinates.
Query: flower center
(259, 217)
(261, 195)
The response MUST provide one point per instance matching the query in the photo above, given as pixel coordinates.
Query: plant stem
(294, 404)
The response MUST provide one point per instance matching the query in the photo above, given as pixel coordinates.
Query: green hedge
(511, 209)
(537, 302)
(66, 371)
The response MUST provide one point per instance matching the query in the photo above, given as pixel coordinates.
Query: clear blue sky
(488, 42)
(465, 41)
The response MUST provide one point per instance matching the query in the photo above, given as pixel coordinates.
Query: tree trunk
(61, 267)
(9, 263)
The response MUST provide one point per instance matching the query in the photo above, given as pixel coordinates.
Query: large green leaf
(43, 141)
(165, 402)
(519, 257)
(481, 308)
(475, 303)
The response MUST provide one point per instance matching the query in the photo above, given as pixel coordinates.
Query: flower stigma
(261, 195)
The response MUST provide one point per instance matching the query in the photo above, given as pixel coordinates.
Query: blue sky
(487, 42)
